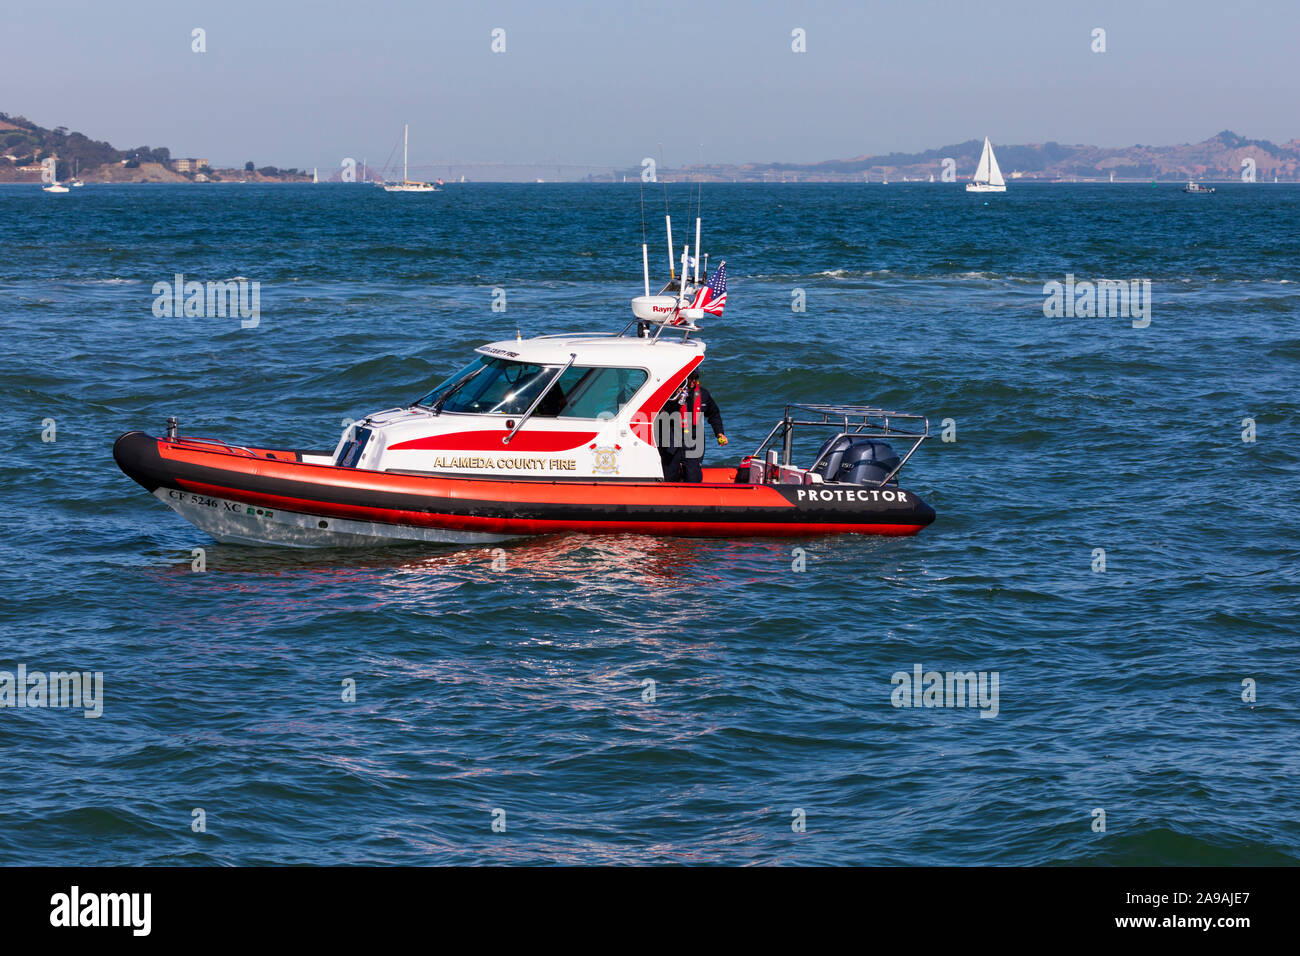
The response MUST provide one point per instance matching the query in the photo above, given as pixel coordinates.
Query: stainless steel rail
(865, 420)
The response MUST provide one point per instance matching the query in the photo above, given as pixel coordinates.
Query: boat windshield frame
(533, 384)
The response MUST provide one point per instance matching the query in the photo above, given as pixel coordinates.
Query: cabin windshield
(494, 386)
(446, 385)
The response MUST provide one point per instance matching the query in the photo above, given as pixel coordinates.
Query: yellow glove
(722, 439)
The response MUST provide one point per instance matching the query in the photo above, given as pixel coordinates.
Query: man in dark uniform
(682, 447)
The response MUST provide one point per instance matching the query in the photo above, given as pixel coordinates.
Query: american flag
(714, 295)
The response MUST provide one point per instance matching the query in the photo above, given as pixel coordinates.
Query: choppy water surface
(522, 689)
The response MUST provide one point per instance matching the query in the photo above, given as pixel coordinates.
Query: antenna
(699, 202)
(671, 270)
(645, 249)
(697, 250)
(681, 286)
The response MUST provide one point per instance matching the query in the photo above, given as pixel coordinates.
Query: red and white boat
(552, 434)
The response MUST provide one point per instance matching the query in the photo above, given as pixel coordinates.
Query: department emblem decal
(606, 459)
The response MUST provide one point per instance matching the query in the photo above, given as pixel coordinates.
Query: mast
(406, 133)
(994, 170)
(982, 170)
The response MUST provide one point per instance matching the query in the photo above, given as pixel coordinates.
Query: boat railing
(574, 335)
(214, 441)
(864, 420)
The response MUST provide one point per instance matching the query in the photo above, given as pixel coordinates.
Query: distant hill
(1218, 157)
(23, 146)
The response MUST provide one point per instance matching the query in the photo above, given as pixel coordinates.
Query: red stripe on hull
(593, 492)
(423, 519)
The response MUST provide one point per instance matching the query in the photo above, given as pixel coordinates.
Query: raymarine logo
(58, 689)
(103, 909)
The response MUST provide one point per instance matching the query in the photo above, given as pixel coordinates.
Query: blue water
(521, 690)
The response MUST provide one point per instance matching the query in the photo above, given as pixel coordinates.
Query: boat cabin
(552, 407)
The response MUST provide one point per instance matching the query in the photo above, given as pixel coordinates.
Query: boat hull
(275, 497)
(984, 188)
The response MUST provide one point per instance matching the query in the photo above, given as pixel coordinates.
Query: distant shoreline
(1220, 159)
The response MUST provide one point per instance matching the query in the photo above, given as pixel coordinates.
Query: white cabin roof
(599, 350)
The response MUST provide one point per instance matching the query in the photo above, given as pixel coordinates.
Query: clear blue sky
(305, 84)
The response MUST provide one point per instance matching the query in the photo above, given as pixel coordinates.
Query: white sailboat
(988, 177)
(315, 177)
(406, 186)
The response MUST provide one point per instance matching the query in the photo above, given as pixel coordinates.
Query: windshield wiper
(436, 407)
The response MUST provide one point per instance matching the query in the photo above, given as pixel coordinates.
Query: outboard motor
(856, 460)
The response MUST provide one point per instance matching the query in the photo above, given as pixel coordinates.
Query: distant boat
(406, 186)
(988, 177)
(55, 187)
(75, 172)
(314, 176)
(932, 177)
(1194, 187)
